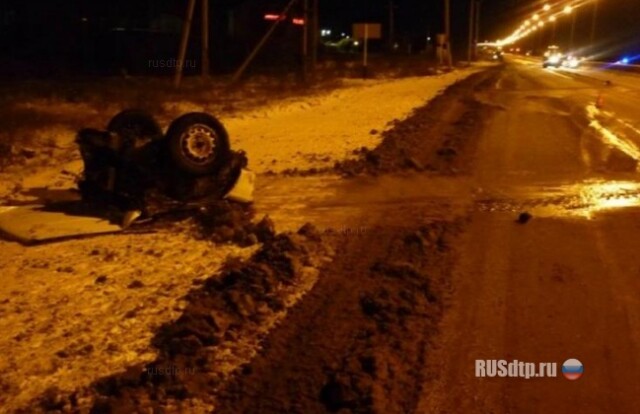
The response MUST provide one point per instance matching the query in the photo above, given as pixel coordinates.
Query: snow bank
(316, 132)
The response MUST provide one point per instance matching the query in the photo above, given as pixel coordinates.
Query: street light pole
(447, 30)
(447, 18)
(184, 41)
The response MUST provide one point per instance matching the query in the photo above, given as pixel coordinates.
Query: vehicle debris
(524, 217)
(133, 172)
(135, 167)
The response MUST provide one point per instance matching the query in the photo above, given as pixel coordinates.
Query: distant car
(555, 60)
(553, 57)
(344, 45)
(572, 62)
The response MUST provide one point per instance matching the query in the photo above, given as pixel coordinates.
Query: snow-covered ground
(317, 132)
(79, 310)
(76, 311)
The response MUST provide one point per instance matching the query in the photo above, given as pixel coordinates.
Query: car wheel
(135, 127)
(198, 143)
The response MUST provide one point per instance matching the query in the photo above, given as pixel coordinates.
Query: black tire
(135, 127)
(198, 143)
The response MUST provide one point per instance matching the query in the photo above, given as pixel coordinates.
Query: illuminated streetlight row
(538, 20)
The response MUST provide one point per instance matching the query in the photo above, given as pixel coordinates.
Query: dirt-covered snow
(80, 310)
(317, 132)
(73, 312)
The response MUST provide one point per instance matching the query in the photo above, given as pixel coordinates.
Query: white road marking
(559, 74)
(628, 125)
(610, 137)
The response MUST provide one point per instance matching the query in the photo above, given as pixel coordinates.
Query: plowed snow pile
(317, 132)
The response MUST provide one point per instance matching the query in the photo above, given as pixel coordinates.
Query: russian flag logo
(572, 369)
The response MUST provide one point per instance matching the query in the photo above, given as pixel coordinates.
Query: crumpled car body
(135, 167)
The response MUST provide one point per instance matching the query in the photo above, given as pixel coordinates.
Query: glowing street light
(568, 9)
(536, 17)
(552, 19)
(540, 24)
(546, 7)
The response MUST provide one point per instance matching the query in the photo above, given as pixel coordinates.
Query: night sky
(48, 29)
(618, 18)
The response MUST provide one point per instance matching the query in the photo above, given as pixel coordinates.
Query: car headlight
(554, 59)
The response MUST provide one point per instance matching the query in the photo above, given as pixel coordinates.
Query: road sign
(367, 31)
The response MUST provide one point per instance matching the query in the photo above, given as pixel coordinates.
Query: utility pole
(205, 39)
(392, 25)
(472, 19)
(447, 31)
(315, 27)
(182, 53)
(305, 38)
(477, 34)
(261, 43)
(365, 51)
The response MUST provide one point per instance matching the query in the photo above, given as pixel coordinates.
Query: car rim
(199, 143)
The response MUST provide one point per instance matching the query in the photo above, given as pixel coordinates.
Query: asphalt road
(564, 285)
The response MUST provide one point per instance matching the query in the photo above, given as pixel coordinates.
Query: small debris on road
(227, 222)
(524, 218)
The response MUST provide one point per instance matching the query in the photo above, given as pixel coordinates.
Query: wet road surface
(562, 286)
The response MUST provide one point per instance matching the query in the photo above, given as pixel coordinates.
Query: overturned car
(134, 166)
